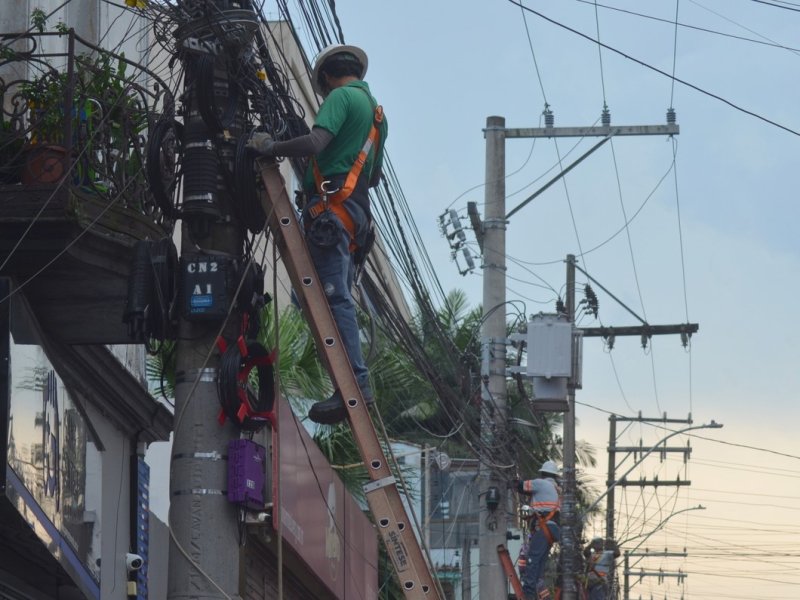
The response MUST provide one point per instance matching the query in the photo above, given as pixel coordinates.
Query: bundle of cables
(217, 118)
(163, 154)
(247, 203)
(247, 408)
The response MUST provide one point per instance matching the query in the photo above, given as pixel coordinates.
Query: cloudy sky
(710, 239)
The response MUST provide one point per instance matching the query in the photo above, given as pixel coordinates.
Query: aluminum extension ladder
(383, 497)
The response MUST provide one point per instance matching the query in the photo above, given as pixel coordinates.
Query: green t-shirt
(347, 113)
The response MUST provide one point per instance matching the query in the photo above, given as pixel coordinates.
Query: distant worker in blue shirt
(545, 505)
(600, 556)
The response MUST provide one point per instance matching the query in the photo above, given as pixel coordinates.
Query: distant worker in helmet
(346, 151)
(545, 504)
(599, 555)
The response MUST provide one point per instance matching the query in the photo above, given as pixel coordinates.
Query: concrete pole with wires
(494, 508)
(204, 551)
(568, 520)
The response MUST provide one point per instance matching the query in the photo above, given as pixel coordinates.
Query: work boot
(333, 410)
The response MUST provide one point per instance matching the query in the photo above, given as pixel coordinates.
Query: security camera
(133, 562)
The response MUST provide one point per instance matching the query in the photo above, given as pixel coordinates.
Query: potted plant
(45, 95)
(103, 110)
(46, 151)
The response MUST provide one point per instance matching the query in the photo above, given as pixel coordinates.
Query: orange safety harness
(335, 201)
(542, 521)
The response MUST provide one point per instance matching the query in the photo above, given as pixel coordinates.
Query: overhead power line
(659, 71)
(692, 27)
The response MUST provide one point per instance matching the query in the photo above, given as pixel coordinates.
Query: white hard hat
(357, 53)
(550, 468)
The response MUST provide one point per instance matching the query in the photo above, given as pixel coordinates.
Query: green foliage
(45, 96)
(301, 374)
(38, 19)
(160, 369)
(101, 92)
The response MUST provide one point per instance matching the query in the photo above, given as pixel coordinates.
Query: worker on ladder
(346, 150)
(544, 507)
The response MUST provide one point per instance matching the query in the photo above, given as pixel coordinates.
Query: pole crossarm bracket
(561, 174)
(602, 131)
(654, 482)
(664, 554)
(641, 419)
(639, 330)
(683, 449)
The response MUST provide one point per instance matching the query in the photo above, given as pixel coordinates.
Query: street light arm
(712, 425)
(659, 527)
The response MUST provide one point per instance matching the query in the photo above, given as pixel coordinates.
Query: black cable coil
(247, 409)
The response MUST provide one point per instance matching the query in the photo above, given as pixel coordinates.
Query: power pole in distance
(493, 526)
(493, 401)
(613, 449)
(606, 131)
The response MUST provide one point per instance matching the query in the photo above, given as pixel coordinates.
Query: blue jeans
(599, 591)
(335, 270)
(538, 551)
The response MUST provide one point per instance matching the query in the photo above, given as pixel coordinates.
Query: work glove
(512, 484)
(261, 142)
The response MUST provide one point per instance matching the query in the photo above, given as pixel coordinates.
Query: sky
(710, 239)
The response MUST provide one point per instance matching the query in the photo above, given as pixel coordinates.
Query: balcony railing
(79, 118)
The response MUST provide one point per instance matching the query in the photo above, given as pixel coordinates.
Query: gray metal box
(549, 346)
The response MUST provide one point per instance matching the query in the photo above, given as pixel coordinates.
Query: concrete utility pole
(493, 418)
(204, 552)
(493, 525)
(568, 541)
(466, 567)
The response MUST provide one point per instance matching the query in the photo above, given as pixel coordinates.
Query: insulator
(468, 258)
(605, 117)
(455, 221)
(549, 118)
(671, 116)
(610, 341)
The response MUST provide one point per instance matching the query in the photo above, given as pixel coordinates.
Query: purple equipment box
(246, 462)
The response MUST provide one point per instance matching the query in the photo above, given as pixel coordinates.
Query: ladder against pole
(383, 497)
(508, 569)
